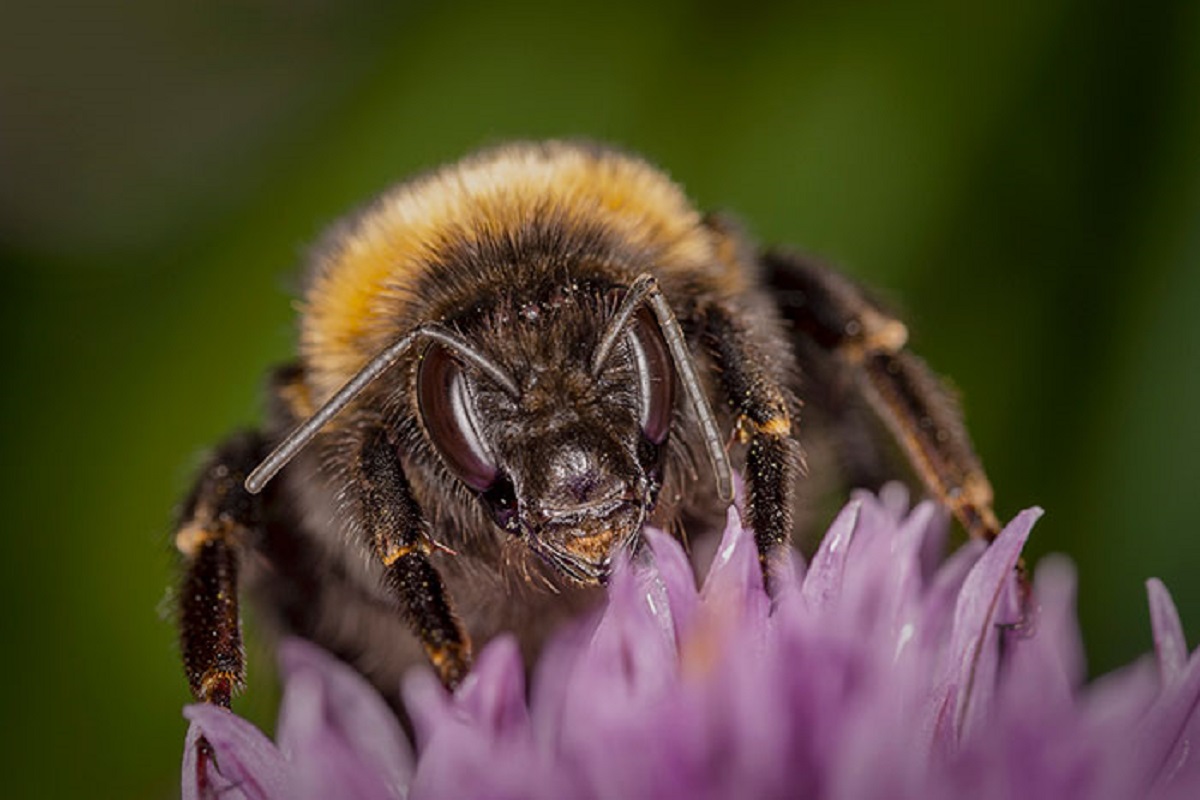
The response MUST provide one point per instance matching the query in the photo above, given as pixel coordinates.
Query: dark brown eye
(655, 375)
(449, 414)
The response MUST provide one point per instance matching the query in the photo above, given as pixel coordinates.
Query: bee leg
(763, 406)
(399, 541)
(831, 311)
(218, 519)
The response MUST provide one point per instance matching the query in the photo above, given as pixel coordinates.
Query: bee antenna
(306, 431)
(645, 289)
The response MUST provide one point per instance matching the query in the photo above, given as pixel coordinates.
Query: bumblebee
(507, 367)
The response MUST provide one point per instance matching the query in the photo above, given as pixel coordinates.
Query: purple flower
(880, 671)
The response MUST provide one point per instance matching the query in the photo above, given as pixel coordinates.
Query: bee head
(566, 452)
(557, 421)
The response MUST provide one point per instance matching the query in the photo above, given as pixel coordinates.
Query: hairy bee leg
(835, 314)
(399, 541)
(218, 519)
(764, 410)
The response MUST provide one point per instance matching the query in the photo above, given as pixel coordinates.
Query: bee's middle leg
(866, 342)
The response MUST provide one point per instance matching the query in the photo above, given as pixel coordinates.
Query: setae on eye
(448, 410)
(655, 375)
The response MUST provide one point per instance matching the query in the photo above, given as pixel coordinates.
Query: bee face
(568, 456)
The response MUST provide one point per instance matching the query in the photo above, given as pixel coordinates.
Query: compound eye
(655, 375)
(448, 410)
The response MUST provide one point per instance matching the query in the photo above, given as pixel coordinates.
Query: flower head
(880, 670)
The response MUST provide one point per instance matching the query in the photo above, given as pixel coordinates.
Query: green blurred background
(1024, 182)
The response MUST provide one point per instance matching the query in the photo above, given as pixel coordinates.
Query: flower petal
(882, 585)
(942, 595)
(1168, 732)
(1046, 665)
(823, 581)
(247, 764)
(1164, 738)
(1169, 641)
(426, 701)
(675, 570)
(480, 743)
(973, 663)
(893, 497)
(340, 736)
(734, 584)
(631, 651)
(875, 675)
(493, 695)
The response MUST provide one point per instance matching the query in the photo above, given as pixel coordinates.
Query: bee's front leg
(398, 539)
(218, 521)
